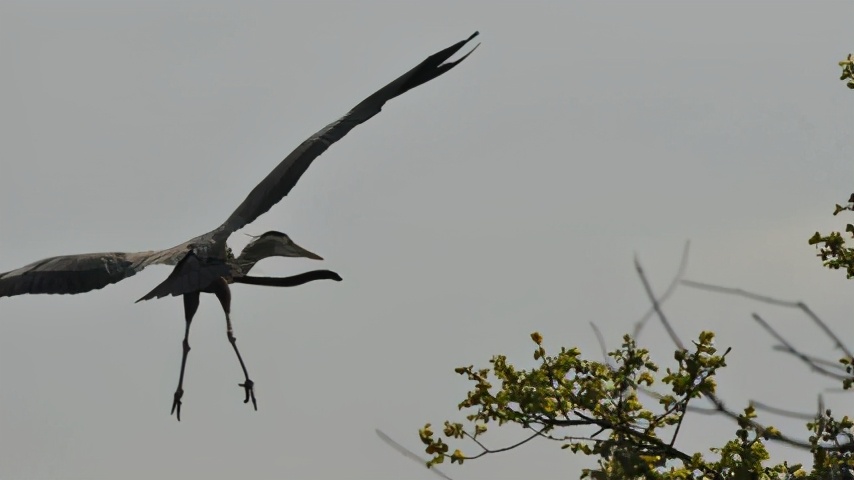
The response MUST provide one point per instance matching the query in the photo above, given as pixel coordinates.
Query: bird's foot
(249, 386)
(176, 403)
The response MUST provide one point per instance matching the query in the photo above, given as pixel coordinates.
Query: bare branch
(408, 453)
(656, 306)
(511, 447)
(689, 408)
(718, 403)
(601, 341)
(782, 412)
(761, 429)
(680, 272)
(787, 347)
(819, 361)
(773, 301)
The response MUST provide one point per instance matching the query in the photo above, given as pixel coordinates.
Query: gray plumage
(205, 264)
(72, 274)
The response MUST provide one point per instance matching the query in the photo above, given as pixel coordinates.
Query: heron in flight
(205, 263)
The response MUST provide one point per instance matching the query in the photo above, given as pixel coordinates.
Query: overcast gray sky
(507, 196)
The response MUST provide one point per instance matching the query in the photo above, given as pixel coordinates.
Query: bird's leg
(223, 293)
(191, 304)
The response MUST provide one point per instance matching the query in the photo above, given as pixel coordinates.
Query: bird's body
(205, 264)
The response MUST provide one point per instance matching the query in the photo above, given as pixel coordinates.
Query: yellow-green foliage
(848, 71)
(593, 408)
(833, 252)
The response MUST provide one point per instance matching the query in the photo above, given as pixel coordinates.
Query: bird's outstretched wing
(283, 178)
(70, 274)
(76, 273)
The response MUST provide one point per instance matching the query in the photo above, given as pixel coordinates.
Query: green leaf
(816, 238)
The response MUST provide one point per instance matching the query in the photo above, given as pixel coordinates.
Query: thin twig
(773, 301)
(836, 340)
(511, 447)
(779, 411)
(819, 361)
(689, 408)
(656, 306)
(408, 453)
(718, 403)
(789, 348)
(601, 341)
(680, 272)
(760, 429)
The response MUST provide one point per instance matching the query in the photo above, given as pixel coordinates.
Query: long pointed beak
(301, 252)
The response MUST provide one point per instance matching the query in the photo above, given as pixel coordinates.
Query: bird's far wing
(280, 181)
(189, 275)
(71, 274)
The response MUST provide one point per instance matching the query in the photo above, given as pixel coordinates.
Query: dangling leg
(223, 293)
(191, 304)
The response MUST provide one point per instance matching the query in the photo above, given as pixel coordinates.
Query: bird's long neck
(291, 281)
(250, 256)
(246, 264)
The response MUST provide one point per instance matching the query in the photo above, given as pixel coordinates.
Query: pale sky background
(507, 196)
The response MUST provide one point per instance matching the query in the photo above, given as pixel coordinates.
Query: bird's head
(275, 243)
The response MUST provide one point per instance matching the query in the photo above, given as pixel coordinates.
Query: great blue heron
(205, 263)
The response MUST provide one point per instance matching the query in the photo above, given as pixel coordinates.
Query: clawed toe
(249, 387)
(176, 403)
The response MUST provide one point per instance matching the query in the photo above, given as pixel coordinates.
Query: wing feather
(70, 273)
(283, 178)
